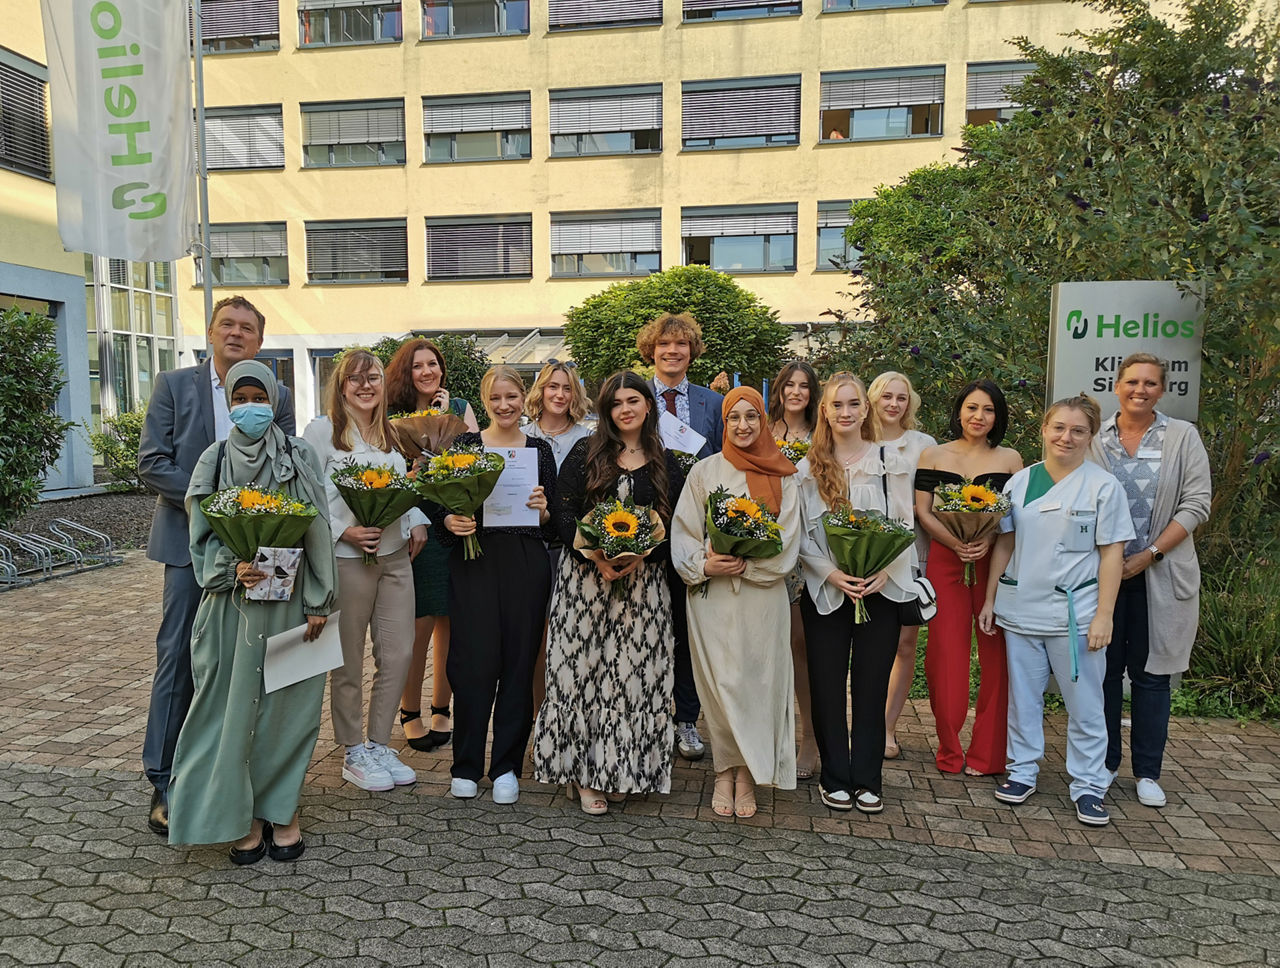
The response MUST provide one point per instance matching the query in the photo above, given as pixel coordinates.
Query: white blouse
(319, 434)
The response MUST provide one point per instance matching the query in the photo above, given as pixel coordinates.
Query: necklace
(635, 450)
(856, 457)
(555, 433)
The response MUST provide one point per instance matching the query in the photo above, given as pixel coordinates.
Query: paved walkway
(943, 876)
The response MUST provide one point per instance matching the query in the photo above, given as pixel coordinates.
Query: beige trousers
(378, 599)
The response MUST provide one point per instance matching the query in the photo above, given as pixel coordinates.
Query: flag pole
(202, 163)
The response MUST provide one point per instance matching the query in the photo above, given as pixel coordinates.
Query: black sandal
(416, 742)
(242, 858)
(436, 737)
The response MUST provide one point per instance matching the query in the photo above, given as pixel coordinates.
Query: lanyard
(1072, 629)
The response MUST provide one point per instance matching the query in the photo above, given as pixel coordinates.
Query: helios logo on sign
(1095, 325)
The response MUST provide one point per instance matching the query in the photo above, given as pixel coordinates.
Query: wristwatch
(1156, 553)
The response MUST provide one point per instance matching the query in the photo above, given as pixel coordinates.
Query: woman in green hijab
(243, 753)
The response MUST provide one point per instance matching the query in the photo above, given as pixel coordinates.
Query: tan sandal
(744, 794)
(722, 794)
(806, 763)
(591, 802)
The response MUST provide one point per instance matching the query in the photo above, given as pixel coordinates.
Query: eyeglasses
(361, 379)
(751, 418)
(567, 364)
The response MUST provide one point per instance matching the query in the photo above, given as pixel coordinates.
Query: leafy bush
(116, 445)
(741, 333)
(31, 377)
(463, 358)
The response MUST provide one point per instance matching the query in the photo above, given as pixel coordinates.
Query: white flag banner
(120, 94)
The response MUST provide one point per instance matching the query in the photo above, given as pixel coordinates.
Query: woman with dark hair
(979, 419)
(793, 411)
(416, 379)
(605, 725)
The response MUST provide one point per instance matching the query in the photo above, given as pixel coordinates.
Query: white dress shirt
(221, 412)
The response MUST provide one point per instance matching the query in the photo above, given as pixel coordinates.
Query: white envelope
(678, 435)
(289, 659)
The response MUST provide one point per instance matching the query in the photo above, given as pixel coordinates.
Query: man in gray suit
(187, 413)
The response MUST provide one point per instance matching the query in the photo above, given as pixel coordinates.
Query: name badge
(1056, 506)
(1148, 453)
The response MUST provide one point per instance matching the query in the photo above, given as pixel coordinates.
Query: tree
(742, 335)
(31, 376)
(464, 361)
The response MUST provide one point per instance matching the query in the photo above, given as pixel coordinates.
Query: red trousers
(946, 668)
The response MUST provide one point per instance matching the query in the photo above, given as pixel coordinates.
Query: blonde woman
(896, 404)
(377, 597)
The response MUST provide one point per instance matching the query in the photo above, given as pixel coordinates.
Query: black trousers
(688, 706)
(1149, 694)
(497, 604)
(849, 662)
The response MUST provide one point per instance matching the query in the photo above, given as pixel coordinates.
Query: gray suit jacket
(177, 430)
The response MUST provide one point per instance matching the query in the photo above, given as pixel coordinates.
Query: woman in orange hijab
(739, 613)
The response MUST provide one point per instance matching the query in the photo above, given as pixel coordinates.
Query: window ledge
(602, 275)
(438, 37)
(712, 148)
(196, 287)
(612, 25)
(753, 272)
(250, 168)
(696, 21)
(473, 279)
(347, 45)
(469, 161)
(881, 9)
(390, 164)
(863, 141)
(247, 50)
(356, 282)
(603, 154)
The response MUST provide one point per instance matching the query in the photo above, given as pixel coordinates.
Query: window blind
(583, 113)
(740, 111)
(452, 115)
(352, 124)
(606, 234)
(247, 241)
(746, 220)
(987, 83)
(24, 129)
(834, 215)
(241, 139)
(577, 13)
(240, 18)
(882, 89)
(357, 247)
(457, 250)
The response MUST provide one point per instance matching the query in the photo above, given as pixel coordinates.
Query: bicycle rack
(9, 575)
(39, 553)
(74, 535)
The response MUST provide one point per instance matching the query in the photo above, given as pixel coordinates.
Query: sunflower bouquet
(741, 526)
(863, 543)
(376, 494)
(621, 530)
(793, 450)
(459, 480)
(425, 432)
(970, 512)
(248, 518)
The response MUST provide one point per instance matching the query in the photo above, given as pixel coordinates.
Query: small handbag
(921, 609)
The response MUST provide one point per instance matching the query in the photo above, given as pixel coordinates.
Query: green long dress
(243, 752)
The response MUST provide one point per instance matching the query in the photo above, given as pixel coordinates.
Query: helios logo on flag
(120, 93)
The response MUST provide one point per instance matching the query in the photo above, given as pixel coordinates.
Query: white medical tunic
(1056, 549)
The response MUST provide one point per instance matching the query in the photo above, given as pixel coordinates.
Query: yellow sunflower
(461, 461)
(976, 497)
(251, 500)
(743, 506)
(621, 523)
(375, 479)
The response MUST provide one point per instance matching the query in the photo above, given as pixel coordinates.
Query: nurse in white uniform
(1055, 571)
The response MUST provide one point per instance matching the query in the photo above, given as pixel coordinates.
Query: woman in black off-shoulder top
(979, 418)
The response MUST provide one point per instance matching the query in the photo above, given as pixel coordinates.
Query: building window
(132, 327)
(24, 116)
(244, 137)
(989, 97)
(484, 247)
(606, 120)
(834, 253)
(870, 105)
(833, 6)
(740, 238)
(347, 134)
(476, 127)
(578, 14)
(748, 113)
(627, 243)
(737, 9)
(474, 18)
(338, 23)
(372, 251)
(239, 25)
(254, 254)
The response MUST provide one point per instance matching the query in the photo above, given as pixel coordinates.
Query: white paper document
(506, 506)
(678, 435)
(289, 659)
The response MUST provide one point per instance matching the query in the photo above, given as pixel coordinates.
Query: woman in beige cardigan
(1164, 469)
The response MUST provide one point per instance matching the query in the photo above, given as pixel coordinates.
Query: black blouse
(546, 477)
(927, 479)
(571, 496)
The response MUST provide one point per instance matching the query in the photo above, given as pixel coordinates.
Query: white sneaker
(506, 788)
(689, 742)
(463, 789)
(386, 758)
(365, 771)
(1150, 794)
(1112, 776)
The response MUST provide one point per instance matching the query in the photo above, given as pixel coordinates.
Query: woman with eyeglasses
(375, 598)
(606, 726)
(417, 380)
(739, 613)
(498, 602)
(793, 410)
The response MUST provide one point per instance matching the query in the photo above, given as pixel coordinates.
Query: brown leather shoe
(158, 818)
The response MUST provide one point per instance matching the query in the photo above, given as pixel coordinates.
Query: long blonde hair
(579, 402)
(380, 434)
(826, 470)
(880, 384)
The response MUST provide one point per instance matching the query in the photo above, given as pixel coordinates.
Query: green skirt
(431, 581)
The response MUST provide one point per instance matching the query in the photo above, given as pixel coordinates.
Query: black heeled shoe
(253, 854)
(283, 852)
(416, 742)
(436, 738)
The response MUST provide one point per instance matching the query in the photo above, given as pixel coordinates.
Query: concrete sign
(1095, 325)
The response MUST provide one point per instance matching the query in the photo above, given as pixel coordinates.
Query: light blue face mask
(253, 419)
